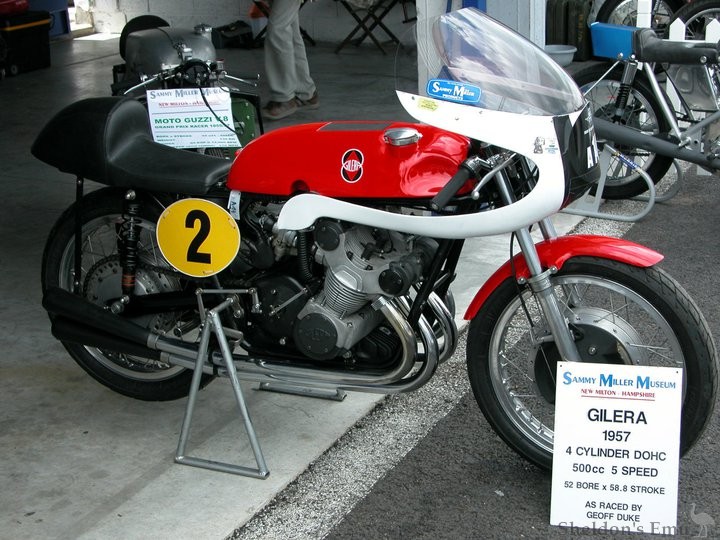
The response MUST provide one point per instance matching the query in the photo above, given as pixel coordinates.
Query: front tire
(512, 375)
(100, 216)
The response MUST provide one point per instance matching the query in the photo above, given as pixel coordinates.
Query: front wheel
(621, 314)
(642, 113)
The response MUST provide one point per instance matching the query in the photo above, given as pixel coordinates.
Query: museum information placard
(616, 447)
(183, 118)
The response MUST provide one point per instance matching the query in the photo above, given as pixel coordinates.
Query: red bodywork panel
(348, 160)
(557, 251)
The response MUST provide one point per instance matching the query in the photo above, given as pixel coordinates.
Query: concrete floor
(79, 461)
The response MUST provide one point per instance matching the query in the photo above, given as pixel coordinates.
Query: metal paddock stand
(588, 205)
(213, 324)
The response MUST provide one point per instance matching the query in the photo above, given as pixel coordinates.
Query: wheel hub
(102, 286)
(601, 337)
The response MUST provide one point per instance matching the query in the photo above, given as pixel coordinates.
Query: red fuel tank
(396, 160)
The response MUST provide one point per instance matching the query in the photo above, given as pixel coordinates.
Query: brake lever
(159, 77)
(490, 174)
(225, 74)
(156, 78)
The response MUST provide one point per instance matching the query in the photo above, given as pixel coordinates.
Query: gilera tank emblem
(352, 162)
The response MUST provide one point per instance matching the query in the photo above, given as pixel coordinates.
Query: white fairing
(494, 86)
(512, 131)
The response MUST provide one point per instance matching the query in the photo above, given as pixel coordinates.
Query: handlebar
(214, 72)
(648, 47)
(468, 169)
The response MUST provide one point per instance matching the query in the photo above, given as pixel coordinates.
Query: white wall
(527, 17)
(324, 20)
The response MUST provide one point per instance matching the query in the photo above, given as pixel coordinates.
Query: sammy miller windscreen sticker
(616, 447)
(352, 165)
(453, 91)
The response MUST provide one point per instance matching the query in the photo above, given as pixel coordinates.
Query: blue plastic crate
(611, 40)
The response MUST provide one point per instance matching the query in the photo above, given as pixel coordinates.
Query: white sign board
(180, 118)
(616, 447)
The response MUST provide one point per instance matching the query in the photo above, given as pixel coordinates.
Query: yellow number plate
(198, 237)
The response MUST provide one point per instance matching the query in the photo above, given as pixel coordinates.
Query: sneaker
(312, 103)
(275, 110)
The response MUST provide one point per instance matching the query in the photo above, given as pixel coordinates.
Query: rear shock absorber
(129, 237)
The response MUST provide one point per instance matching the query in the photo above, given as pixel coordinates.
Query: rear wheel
(101, 219)
(696, 16)
(625, 12)
(642, 113)
(621, 314)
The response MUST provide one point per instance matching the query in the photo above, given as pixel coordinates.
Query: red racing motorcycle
(331, 267)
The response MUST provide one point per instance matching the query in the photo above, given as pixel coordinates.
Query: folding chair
(375, 12)
(262, 6)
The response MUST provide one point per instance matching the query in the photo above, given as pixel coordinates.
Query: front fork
(626, 81)
(539, 280)
(542, 287)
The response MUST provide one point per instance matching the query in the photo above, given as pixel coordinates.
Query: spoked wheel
(696, 16)
(101, 218)
(619, 314)
(642, 113)
(625, 12)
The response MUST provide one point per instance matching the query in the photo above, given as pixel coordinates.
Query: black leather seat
(108, 140)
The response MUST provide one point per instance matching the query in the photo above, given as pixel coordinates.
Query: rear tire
(101, 212)
(512, 376)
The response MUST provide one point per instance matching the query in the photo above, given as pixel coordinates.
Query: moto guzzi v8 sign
(192, 117)
(616, 448)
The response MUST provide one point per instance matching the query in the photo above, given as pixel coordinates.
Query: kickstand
(672, 190)
(588, 205)
(214, 324)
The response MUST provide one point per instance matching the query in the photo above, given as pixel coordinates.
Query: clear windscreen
(469, 58)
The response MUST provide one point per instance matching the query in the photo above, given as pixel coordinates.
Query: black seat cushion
(108, 140)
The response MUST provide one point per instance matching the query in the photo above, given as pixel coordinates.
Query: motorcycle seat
(108, 140)
(648, 47)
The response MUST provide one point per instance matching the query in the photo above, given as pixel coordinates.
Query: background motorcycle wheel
(101, 213)
(513, 379)
(696, 16)
(625, 12)
(643, 113)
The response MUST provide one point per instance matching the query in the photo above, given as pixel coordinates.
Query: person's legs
(304, 86)
(286, 65)
(279, 44)
(279, 59)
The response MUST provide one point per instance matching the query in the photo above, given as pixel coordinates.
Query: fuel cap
(402, 136)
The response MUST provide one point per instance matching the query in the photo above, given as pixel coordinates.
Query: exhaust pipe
(77, 320)
(621, 135)
(65, 304)
(69, 331)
